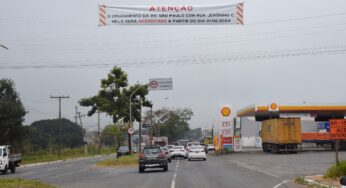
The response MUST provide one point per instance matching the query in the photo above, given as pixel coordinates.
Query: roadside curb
(59, 161)
(308, 181)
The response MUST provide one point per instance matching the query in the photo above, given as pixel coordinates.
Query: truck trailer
(281, 135)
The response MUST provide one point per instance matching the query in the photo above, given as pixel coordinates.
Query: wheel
(169, 160)
(165, 168)
(5, 170)
(275, 149)
(189, 159)
(141, 170)
(13, 168)
(204, 159)
(264, 147)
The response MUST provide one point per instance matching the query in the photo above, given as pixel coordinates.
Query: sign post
(337, 133)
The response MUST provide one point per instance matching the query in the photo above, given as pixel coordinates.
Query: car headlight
(0, 162)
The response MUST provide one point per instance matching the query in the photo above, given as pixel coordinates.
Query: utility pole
(129, 135)
(140, 127)
(98, 133)
(151, 125)
(75, 117)
(83, 133)
(59, 97)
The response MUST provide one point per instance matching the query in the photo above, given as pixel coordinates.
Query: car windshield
(124, 148)
(178, 147)
(150, 151)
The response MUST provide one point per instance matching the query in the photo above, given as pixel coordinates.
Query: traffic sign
(338, 129)
(161, 84)
(131, 130)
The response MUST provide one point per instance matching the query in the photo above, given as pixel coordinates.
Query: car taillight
(141, 156)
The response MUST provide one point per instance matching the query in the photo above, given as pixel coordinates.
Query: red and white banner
(171, 15)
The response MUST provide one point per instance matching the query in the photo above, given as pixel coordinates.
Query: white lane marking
(175, 175)
(278, 185)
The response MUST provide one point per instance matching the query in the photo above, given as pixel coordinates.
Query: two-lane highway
(215, 172)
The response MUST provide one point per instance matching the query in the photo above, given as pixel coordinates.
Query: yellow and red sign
(226, 111)
(338, 129)
(273, 107)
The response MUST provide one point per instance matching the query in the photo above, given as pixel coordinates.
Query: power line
(199, 60)
(167, 32)
(223, 41)
(193, 38)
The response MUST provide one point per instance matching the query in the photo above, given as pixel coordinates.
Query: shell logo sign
(226, 111)
(273, 107)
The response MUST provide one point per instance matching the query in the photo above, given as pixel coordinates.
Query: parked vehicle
(282, 134)
(8, 160)
(123, 150)
(210, 147)
(197, 152)
(152, 157)
(179, 151)
(167, 153)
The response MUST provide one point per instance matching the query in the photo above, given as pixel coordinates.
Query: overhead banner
(171, 15)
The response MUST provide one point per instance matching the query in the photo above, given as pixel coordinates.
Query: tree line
(113, 98)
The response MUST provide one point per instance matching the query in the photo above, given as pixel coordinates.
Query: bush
(336, 171)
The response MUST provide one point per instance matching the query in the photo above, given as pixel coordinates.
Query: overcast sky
(288, 51)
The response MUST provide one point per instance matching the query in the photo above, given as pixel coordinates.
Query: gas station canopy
(319, 112)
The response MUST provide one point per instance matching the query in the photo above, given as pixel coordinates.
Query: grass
(46, 156)
(336, 171)
(128, 160)
(22, 183)
(301, 180)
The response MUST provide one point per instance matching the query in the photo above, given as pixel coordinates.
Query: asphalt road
(217, 171)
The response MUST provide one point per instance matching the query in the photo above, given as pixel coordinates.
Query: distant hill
(44, 134)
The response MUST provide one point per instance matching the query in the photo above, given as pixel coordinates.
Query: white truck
(161, 141)
(8, 160)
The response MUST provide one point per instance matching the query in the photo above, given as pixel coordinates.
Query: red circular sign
(154, 84)
(131, 130)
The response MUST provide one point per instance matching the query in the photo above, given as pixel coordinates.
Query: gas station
(278, 136)
(286, 138)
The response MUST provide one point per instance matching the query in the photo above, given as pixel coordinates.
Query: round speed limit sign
(131, 130)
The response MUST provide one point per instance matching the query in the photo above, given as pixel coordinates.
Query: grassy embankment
(330, 177)
(22, 183)
(46, 156)
(122, 161)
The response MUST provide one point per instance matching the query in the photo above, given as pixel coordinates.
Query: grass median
(22, 183)
(128, 160)
(46, 156)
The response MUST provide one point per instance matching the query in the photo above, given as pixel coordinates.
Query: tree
(12, 114)
(114, 97)
(172, 123)
(111, 135)
(43, 134)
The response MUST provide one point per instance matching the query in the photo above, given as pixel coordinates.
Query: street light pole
(129, 135)
(3, 46)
